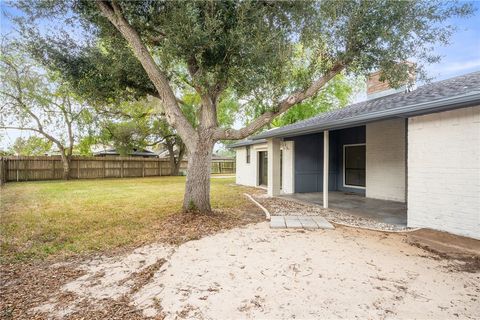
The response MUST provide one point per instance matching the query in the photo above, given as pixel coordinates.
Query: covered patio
(391, 212)
(368, 182)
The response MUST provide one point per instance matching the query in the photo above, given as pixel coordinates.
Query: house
(417, 151)
(111, 152)
(165, 155)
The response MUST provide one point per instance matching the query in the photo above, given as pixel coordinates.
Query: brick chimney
(377, 88)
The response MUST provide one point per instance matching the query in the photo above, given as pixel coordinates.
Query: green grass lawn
(51, 218)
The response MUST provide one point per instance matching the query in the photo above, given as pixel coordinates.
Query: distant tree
(226, 152)
(31, 146)
(247, 48)
(6, 153)
(31, 100)
(139, 124)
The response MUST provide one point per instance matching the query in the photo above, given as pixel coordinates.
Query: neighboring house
(143, 153)
(164, 154)
(421, 148)
(216, 157)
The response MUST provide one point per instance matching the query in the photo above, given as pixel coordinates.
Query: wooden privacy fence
(51, 168)
(224, 166)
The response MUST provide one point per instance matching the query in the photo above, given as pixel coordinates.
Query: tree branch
(112, 11)
(46, 135)
(283, 106)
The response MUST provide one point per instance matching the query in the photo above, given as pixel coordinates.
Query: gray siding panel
(309, 160)
(308, 163)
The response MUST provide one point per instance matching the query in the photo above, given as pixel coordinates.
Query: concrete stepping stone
(308, 222)
(293, 222)
(277, 222)
(322, 222)
(299, 222)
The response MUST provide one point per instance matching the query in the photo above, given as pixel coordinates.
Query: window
(248, 154)
(354, 165)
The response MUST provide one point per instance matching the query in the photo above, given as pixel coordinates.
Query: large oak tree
(248, 49)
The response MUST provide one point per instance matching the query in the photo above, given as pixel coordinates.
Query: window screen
(355, 166)
(248, 154)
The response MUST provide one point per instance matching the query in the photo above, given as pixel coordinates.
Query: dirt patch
(118, 309)
(258, 272)
(180, 228)
(143, 277)
(248, 272)
(27, 285)
(100, 285)
(462, 252)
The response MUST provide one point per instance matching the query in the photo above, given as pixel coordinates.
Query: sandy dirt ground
(256, 272)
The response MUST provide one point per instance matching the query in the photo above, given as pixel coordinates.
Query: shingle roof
(246, 142)
(135, 152)
(451, 93)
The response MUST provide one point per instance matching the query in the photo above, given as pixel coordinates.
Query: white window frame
(344, 173)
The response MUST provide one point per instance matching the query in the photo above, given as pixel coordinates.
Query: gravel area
(287, 207)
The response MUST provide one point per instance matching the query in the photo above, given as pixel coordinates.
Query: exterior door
(263, 168)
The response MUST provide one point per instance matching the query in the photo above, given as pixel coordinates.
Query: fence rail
(51, 168)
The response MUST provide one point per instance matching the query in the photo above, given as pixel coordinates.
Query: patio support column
(273, 148)
(325, 167)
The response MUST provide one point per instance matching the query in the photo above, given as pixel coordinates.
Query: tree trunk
(66, 167)
(174, 166)
(197, 189)
(174, 169)
(178, 160)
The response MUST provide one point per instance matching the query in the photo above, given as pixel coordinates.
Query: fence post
(104, 170)
(78, 169)
(53, 169)
(5, 170)
(121, 168)
(1, 171)
(143, 168)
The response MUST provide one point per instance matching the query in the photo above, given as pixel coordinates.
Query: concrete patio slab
(390, 212)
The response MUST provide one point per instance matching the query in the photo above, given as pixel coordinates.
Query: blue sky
(460, 57)
(463, 54)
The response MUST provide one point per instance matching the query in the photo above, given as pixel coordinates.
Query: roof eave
(246, 143)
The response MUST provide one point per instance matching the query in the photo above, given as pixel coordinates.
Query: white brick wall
(247, 173)
(444, 171)
(385, 156)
